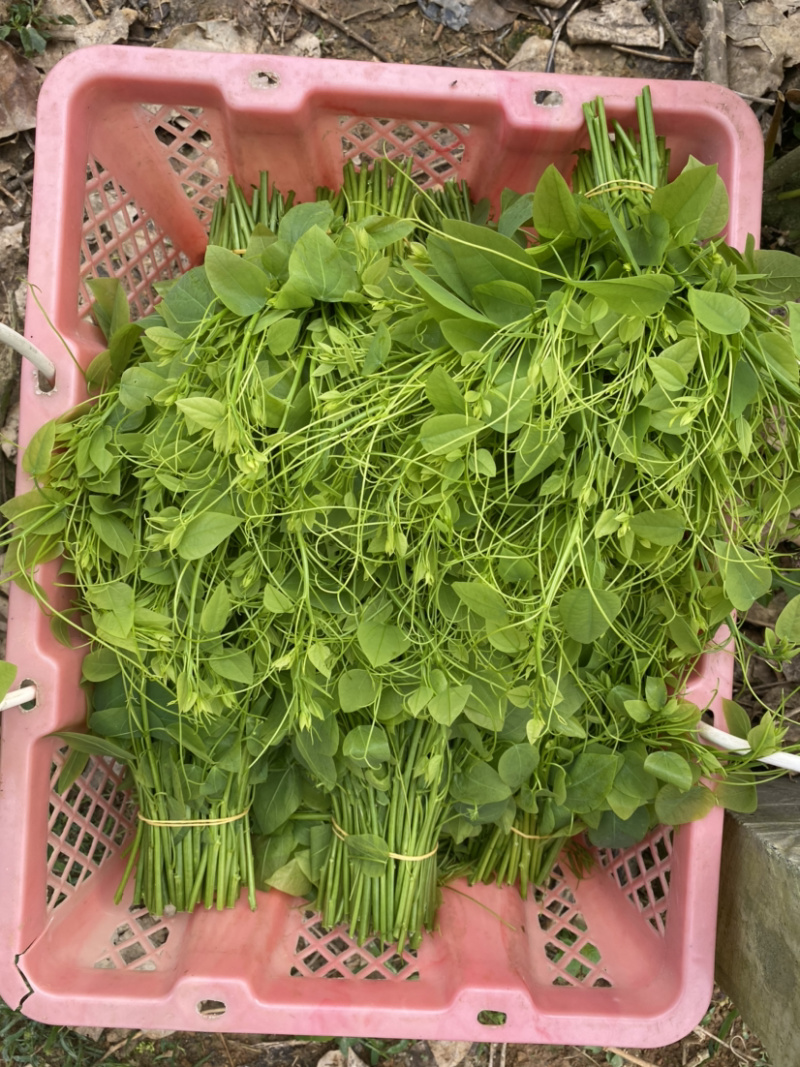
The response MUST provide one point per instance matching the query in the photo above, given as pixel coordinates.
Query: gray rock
(758, 929)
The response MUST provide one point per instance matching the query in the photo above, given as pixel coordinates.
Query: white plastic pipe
(722, 739)
(27, 351)
(17, 697)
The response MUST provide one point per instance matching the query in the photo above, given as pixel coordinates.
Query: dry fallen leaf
(334, 1058)
(614, 22)
(487, 15)
(217, 35)
(762, 41)
(19, 90)
(305, 44)
(106, 31)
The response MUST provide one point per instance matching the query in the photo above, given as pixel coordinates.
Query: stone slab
(758, 929)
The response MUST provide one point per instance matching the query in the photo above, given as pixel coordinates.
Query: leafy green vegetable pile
(396, 533)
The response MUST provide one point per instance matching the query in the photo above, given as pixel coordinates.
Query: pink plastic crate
(133, 147)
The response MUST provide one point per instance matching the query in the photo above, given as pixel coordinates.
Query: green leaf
(587, 613)
(448, 433)
(291, 879)
(37, 456)
(378, 349)
(368, 746)
(277, 799)
(466, 336)
(719, 312)
(95, 746)
(668, 374)
(715, 216)
(356, 690)
(189, 302)
(736, 719)
(656, 692)
(517, 764)
(282, 336)
(117, 600)
(202, 411)
(138, 385)
(780, 356)
(787, 625)
(614, 832)
(238, 282)
(684, 201)
(674, 807)
(443, 298)
(644, 295)
(235, 666)
(100, 665)
(42, 507)
(205, 532)
(111, 722)
(276, 601)
(516, 211)
(113, 532)
(8, 673)
(110, 308)
(589, 778)
(216, 611)
(443, 393)
(783, 274)
(318, 269)
(304, 217)
(670, 767)
(663, 526)
(71, 770)
(483, 255)
(738, 792)
(554, 210)
(381, 642)
(745, 577)
(638, 710)
(534, 451)
(744, 388)
(447, 705)
(504, 302)
(477, 784)
(369, 853)
(483, 600)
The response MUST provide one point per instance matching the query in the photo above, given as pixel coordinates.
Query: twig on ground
(700, 1058)
(649, 55)
(115, 1048)
(559, 26)
(227, 1050)
(636, 1060)
(702, 1032)
(493, 55)
(715, 42)
(658, 8)
(312, 9)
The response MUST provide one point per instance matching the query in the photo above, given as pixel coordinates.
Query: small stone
(449, 1053)
(614, 22)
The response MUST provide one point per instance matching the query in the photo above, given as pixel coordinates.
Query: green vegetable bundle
(397, 534)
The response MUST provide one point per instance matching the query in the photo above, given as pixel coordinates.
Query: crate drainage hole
(548, 98)
(264, 79)
(492, 1018)
(29, 705)
(211, 1009)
